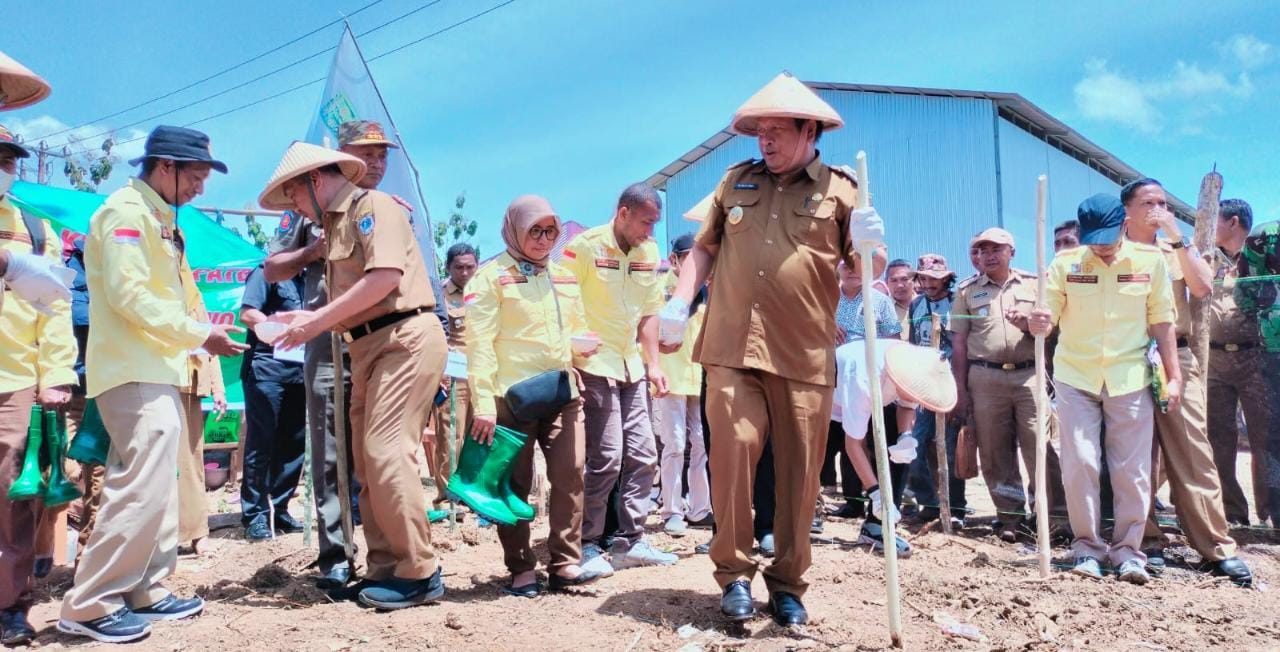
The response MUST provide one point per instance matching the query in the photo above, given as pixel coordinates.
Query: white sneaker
(593, 561)
(639, 554)
(676, 526)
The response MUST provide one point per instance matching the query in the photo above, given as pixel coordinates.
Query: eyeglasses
(538, 233)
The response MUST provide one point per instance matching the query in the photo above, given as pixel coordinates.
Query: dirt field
(261, 597)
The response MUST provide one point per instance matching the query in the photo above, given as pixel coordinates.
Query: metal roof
(1010, 106)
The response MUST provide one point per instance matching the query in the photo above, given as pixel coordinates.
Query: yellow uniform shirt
(684, 376)
(36, 350)
(139, 328)
(514, 331)
(1104, 312)
(618, 290)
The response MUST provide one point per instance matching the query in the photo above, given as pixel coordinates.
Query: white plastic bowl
(268, 331)
(584, 343)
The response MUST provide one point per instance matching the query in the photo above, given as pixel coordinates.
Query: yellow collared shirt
(618, 289)
(1104, 312)
(684, 376)
(36, 350)
(513, 332)
(139, 327)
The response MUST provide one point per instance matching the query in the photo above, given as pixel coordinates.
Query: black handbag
(544, 395)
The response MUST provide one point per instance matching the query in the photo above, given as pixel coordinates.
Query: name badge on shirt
(455, 365)
(1133, 278)
(641, 267)
(608, 263)
(512, 278)
(746, 186)
(1082, 278)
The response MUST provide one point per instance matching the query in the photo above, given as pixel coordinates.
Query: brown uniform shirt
(366, 230)
(1227, 323)
(457, 309)
(776, 289)
(977, 314)
(1180, 294)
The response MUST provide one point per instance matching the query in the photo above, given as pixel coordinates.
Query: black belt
(1004, 366)
(379, 323)
(1183, 343)
(1234, 346)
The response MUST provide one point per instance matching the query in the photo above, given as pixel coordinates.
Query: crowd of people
(731, 378)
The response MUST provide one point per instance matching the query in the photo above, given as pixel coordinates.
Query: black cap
(179, 144)
(682, 244)
(1101, 218)
(7, 140)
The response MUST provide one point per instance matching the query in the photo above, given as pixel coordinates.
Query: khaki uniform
(1236, 383)
(441, 423)
(1002, 386)
(904, 318)
(770, 360)
(1182, 437)
(205, 380)
(395, 370)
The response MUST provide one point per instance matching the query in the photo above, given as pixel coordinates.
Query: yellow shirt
(139, 329)
(619, 290)
(1104, 312)
(684, 376)
(513, 332)
(36, 350)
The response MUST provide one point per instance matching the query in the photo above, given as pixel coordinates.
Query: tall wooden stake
(942, 475)
(888, 522)
(1042, 395)
(1205, 240)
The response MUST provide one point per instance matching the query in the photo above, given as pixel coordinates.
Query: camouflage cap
(363, 132)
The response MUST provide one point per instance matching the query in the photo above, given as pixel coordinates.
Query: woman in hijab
(525, 318)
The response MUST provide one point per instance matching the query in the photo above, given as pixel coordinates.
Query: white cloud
(1108, 96)
(1188, 80)
(81, 138)
(1246, 49)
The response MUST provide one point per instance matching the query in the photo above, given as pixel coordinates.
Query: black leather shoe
(850, 509)
(736, 602)
(287, 524)
(334, 578)
(42, 567)
(816, 526)
(1155, 562)
(559, 583)
(257, 531)
(15, 629)
(787, 609)
(702, 548)
(1233, 568)
(349, 593)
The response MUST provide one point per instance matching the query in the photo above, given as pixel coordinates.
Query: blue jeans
(920, 479)
(273, 451)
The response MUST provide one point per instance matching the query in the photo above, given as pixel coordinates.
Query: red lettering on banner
(222, 318)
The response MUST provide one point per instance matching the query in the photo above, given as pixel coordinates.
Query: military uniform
(1260, 299)
(453, 428)
(397, 352)
(1002, 388)
(1236, 382)
(770, 360)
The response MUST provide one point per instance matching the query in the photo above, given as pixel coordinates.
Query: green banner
(220, 260)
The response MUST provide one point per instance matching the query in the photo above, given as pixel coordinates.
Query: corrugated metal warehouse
(944, 165)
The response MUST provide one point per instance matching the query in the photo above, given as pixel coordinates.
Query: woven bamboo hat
(921, 376)
(19, 86)
(784, 97)
(300, 158)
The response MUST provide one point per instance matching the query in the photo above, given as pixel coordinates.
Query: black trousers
(274, 448)
(850, 485)
(897, 472)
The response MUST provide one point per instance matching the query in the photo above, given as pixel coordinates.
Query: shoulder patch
(739, 164)
(844, 173)
(366, 224)
(966, 282)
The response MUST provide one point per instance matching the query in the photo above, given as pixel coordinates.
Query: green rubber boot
(91, 443)
(519, 508)
(482, 471)
(30, 483)
(59, 490)
(437, 515)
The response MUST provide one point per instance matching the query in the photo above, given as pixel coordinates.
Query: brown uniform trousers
(564, 446)
(193, 511)
(1236, 382)
(445, 431)
(1004, 411)
(744, 407)
(1182, 437)
(17, 518)
(394, 371)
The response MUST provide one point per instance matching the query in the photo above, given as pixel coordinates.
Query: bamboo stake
(1205, 240)
(888, 534)
(942, 475)
(1042, 421)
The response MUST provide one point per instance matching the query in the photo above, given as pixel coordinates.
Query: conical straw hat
(699, 211)
(301, 158)
(921, 376)
(784, 97)
(19, 86)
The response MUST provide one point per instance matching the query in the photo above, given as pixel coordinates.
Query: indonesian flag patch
(127, 236)
(469, 299)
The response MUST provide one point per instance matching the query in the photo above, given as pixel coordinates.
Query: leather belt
(379, 323)
(1005, 366)
(1234, 346)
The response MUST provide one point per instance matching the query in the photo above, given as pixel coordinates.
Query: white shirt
(851, 403)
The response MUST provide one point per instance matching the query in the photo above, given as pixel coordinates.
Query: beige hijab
(522, 214)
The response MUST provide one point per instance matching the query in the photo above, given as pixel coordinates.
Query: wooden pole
(942, 475)
(1042, 395)
(888, 532)
(1205, 240)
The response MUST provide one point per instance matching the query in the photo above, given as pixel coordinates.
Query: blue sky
(574, 99)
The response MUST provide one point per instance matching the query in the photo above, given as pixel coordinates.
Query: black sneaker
(15, 629)
(121, 626)
(397, 593)
(287, 524)
(704, 523)
(171, 608)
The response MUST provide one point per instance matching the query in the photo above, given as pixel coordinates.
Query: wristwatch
(1184, 242)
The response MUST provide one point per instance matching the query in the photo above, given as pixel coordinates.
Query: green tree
(256, 235)
(457, 228)
(87, 169)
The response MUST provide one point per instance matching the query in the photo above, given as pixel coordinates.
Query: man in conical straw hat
(19, 86)
(775, 231)
(380, 302)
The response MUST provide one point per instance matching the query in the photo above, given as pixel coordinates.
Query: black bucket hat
(179, 144)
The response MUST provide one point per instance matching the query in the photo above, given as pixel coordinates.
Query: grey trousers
(620, 449)
(318, 373)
